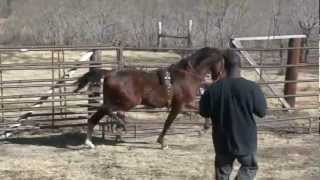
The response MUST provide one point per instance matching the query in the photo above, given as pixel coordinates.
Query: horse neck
(201, 70)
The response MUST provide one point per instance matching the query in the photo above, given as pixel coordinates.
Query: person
(231, 103)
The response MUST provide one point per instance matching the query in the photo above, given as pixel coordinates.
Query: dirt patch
(62, 156)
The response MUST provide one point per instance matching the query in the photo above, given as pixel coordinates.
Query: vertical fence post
(64, 85)
(120, 64)
(189, 33)
(319, 70)
(135, 131)
(261, 63)
(52, 88)
(310, 125)
(120, 58)
(159, 37)
(60, 79)
(94, 87)
(291, 72)
(1, 91)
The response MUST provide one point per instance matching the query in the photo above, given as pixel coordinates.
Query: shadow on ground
(65, 140)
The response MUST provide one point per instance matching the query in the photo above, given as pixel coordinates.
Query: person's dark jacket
(231, 103)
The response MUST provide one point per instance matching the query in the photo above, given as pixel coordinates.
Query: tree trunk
(5, 8)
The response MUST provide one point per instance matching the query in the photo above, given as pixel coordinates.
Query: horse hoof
(118, 139)
(164, 146)
(160, 140)
(89, 144)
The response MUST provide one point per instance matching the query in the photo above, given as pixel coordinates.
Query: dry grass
(61, 156)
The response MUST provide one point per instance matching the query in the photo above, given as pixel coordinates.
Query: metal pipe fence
(108, 48)
(48, 97)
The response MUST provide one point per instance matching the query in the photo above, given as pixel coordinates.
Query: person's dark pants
(224, 164)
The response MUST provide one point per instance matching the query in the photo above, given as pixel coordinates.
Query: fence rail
(57, 106)
(108, 48)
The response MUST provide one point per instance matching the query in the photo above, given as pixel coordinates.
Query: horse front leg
(206, 124)
(176, 108)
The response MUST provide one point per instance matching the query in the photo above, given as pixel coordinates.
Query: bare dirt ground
(62, 156)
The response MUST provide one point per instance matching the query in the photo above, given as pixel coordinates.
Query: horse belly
(155, 98)
(121, 98)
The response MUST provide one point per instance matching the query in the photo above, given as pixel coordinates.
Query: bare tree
(276, 15)
(306, 20)
(135, 22)
(5, 8)
(226, 15)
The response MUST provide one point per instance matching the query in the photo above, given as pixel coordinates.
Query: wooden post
(189, 33)
(94, 88)
(159, 38)
(291, 72)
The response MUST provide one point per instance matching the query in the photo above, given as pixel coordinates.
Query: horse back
(128, 88)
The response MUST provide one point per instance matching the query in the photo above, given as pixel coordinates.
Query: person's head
(232, 63)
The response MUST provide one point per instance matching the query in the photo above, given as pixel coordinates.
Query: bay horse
(125, 89)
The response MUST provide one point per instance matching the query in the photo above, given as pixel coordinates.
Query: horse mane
(197, 57)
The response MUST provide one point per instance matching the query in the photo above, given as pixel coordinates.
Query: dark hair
(232, 60)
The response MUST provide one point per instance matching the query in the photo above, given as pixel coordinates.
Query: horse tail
(91, 76)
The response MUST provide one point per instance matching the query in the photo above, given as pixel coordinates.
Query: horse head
(203, 61)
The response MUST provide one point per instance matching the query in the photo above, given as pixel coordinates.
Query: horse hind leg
(92, 121)
(120, 125)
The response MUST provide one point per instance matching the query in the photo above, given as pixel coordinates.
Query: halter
(220, 72)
